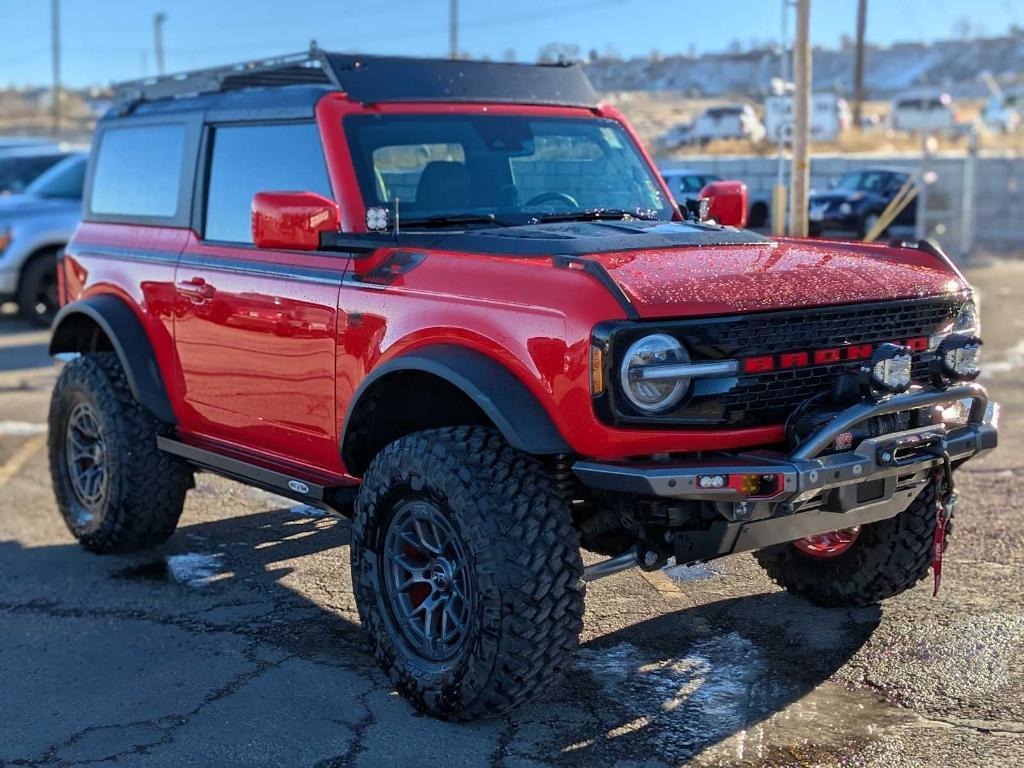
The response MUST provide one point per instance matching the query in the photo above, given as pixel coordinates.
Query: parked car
(532, 354)
(731, 121)
(20, 166)
(925, 115)
(677, 136)
(34, 228)
(829, 117)
(855, 202)
(25, 142)
(685, 184)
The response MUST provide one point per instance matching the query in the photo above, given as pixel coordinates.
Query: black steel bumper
(815, 493)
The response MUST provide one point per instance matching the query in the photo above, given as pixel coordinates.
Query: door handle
(197, 288)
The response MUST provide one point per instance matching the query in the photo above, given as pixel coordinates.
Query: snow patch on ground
(713, 692)
(21, 429)
(690, 573)
(193, 569)
(306, 510)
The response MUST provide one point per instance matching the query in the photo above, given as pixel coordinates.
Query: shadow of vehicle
(22, 346)
(666, 688)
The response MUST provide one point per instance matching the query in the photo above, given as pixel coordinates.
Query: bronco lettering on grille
(829, 356)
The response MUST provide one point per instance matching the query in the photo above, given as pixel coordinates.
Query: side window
(138, 171)
(259, 158)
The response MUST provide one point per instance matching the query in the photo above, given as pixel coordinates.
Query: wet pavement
(237, 643)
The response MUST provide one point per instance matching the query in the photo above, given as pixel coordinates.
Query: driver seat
(444, 185)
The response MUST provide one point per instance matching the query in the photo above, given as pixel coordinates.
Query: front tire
(887, 558)
(456, 524)
(116, 491)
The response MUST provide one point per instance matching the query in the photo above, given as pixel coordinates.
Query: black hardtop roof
(367, 79)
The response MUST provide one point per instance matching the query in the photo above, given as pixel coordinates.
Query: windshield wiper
(451, 219)
(598, 214)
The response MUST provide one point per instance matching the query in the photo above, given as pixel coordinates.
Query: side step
(337, 498)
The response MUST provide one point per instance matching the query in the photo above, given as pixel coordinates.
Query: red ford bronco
(456, 302)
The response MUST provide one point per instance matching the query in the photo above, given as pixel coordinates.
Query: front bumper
(814, 493)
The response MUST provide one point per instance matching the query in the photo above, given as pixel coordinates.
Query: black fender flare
(131, 343)
(499, 393)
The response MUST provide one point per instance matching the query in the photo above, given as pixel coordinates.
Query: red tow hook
(943, 479)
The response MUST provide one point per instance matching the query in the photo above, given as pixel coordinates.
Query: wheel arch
(107, 323)
(438, 386)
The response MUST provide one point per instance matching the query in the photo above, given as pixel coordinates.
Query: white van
(924, 114)
(830, 116)
(729, 121)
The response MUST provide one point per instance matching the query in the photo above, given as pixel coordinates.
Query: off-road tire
(524, 560)
(888, 557)
(146, 487)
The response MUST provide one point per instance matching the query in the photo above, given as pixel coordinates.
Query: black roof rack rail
(307, 68)
(373, 79)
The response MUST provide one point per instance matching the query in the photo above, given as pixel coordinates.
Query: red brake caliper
(942, 476)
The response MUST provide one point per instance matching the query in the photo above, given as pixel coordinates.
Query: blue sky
(107, 40)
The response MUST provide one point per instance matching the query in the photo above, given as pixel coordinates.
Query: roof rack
(307, 68)
(373, 79)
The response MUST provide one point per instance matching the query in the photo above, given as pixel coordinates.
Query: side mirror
(728, 202)
(292, 220)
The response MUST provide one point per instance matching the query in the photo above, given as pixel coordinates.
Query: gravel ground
(237, 643)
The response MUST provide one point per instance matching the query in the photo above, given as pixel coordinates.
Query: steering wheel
(550, 197)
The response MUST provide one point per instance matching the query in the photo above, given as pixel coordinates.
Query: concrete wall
(995, 225)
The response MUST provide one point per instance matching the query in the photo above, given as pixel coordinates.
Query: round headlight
(967, 319)
(658, 392)
(845, 209)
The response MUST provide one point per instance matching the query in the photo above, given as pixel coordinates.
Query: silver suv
(34, 227)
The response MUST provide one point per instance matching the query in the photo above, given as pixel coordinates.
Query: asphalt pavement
(237, 642)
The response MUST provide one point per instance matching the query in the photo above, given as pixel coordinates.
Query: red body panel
(263, 350)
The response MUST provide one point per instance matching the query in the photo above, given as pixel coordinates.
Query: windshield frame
(363, 176)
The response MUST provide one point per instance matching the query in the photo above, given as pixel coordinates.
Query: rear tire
(116, 491)
(523, 604)
(887, 558)
(38, 299)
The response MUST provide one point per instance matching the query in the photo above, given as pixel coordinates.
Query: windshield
(501, 169)
(18, 171)
(867, 181)
(64, 180)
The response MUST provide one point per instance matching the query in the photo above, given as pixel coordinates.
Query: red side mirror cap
(292, 220)
(728, 202)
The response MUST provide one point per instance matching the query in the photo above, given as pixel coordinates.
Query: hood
(772, 275)
(12, 206)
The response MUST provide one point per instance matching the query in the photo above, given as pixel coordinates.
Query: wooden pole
(858, 63)
(800, 174)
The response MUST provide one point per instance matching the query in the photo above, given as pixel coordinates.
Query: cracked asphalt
(237, 643)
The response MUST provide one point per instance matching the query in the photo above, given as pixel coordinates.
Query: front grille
(768, 398)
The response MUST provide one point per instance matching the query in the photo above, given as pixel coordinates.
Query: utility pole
(800, 174)
(55, 45)
(778, 204)
(453, 29)
(158, 39)
(858, 63)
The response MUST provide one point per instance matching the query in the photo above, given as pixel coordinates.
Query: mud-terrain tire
(888, 557)
(128, 494)
(522, 570)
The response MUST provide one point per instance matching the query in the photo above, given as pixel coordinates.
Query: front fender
(499, 393)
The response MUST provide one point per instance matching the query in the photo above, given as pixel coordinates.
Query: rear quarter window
(138, 171)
